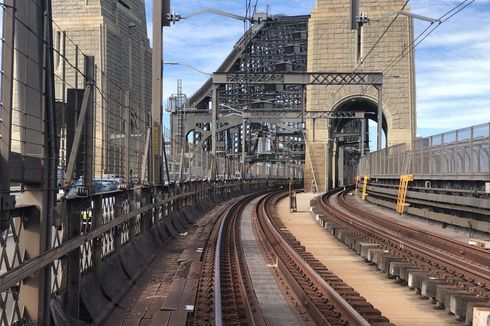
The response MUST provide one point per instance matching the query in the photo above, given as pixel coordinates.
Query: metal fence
(96, 232)
(53, 95)
(461, 154)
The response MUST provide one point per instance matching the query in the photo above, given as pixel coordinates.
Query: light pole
(174, 63)
(160, 11)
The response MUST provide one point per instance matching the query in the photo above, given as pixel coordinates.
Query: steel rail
(264, 242)
(473, 272)
(479, 273)
(477, 255)
(347, 311)
(218, 314)
(230, 217)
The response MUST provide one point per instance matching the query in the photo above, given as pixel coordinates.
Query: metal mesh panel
(458, 154)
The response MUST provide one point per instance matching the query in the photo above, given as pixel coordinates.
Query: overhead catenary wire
(375, 43)
(422, 36)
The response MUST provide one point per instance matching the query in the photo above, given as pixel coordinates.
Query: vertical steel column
(363, 135)
(127, 136)
(73, 210)
(156, 92)
(51, 154)
(88, 158)
(380, 115)
(334, 163)
(214, 132)
(6, 202)
(97, 215)
(341, 165)
(33, 67)
(118, 211)
(71, 262)
(244, 132)
(146, 216)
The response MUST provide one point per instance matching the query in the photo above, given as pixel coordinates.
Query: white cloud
(453, 74)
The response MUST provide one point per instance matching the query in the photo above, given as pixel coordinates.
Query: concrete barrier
(177, 219)
(113, 278)
(395, 268)
(479, 316)
(93, 299)
(415, 280)
(429, 287)
(458, 303)
(444, 293)
(170, 228)
(144, 246)
(132, 263)
(157, 241)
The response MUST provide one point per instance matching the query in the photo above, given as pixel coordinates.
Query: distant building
(115, 33)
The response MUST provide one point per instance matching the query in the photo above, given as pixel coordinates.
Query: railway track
(225, 294)
(432, 258)
(330, 301)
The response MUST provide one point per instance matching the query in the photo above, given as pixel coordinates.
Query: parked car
(98, 185)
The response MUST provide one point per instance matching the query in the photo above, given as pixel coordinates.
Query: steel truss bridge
(69, 258)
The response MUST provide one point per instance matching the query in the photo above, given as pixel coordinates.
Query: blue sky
(452, 64)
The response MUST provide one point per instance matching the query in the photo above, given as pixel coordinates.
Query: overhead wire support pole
(6, 201)
(214, 133)
(160, 13)
(51, 151)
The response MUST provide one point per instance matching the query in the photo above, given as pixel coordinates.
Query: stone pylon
(334, 47)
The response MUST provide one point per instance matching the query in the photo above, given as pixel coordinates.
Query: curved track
(451, 260)
(332, 301)
(225, 293)
(225, 296)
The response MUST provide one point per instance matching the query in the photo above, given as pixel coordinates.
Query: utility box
(487, 187)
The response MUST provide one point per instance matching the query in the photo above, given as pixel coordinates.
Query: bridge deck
(274, 307)
(399, 304)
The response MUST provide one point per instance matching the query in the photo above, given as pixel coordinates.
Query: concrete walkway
(273, 305)
(401, 305)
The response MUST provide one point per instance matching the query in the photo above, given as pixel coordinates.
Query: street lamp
(174, 63)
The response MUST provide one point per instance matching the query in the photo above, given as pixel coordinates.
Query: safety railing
(461, 154)
(88, 233)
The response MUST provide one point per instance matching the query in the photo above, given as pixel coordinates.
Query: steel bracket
(7, 202)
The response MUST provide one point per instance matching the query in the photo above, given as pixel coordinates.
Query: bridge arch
(346, 137)
(362, 103)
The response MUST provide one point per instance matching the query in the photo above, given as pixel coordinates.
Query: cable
(451, 13)
(422, 36)
(255, 7)
(375, 44)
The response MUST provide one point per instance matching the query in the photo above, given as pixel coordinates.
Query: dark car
(98, 185)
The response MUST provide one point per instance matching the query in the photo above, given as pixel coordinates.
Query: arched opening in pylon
(345, 136)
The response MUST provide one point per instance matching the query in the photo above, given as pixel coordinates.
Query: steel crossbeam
(336, 115)
(307, 78)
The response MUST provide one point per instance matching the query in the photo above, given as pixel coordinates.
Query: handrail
(35, 264)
